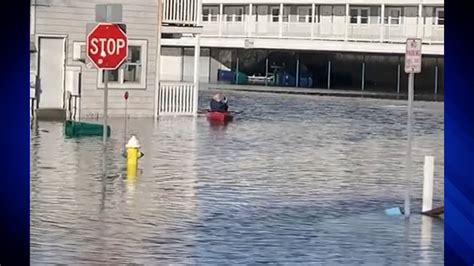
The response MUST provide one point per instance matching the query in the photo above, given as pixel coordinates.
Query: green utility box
(74, 129)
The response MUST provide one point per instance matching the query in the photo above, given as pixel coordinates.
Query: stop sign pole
(107, 49)
(412, 66)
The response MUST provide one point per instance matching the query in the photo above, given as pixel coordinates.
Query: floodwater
(293, 180)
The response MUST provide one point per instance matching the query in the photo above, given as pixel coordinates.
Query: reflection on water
(292, 180)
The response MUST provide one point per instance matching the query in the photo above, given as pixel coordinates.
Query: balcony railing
(302, 27)
(183, 12)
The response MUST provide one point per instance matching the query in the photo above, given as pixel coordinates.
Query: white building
(362, 41)
(326, 38)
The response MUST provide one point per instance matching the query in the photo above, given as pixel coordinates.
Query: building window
(364, 16)
(209, 13)
(359, 15)
(304, 14)
(205, 14)
(132, 74)
(275, 11)
(439, 16)
(354, 15)
(234, 13)
(393, 16)
(239, 15)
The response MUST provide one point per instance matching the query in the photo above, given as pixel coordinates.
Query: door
(51, 72)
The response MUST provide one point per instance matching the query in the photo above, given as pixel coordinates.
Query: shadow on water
(292, 180)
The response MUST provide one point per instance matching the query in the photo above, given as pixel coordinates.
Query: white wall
(326, 19)
(429, 20)
(410, 17)
(188, 65)
(339, 20)
(308, 45)
(171, 64)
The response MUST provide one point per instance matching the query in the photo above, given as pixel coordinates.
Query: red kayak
(219, 116)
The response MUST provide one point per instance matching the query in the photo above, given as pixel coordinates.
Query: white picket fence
(176, 98)
(183, 12)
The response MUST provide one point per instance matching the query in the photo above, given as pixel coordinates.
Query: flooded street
(293, 180)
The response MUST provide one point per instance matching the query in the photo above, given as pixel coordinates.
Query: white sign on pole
(413, 56)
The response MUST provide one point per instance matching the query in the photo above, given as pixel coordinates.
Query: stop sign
(107, 46)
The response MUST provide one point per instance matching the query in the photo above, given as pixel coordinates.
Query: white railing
(237, 26)
(363, 32)
(433, 34)
(180, 12)
(176, 98)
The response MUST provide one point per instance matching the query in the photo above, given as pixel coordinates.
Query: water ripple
(293, 180)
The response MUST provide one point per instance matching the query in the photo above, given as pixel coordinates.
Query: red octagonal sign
(107, 46)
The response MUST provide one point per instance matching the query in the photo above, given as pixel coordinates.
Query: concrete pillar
(266, 71)
(182, 63)
(157, 60)
(436, 78)
(329, 74)
(210, 65)
(398, 76)
(197, 59)
(297, 70)
(237, 69)
(363, 75)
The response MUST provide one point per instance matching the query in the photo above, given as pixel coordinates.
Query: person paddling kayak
(219, 103)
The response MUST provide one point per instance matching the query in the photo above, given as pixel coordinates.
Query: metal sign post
(106, 87)
(412, 66)
(107, 49)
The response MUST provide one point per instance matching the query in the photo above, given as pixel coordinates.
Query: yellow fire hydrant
(133, 154)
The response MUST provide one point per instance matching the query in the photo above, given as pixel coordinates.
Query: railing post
(280, 20)
(250, 20)
(313, 19)
(420, 27)
(221, 9)
(382, 22)
(346, 35)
